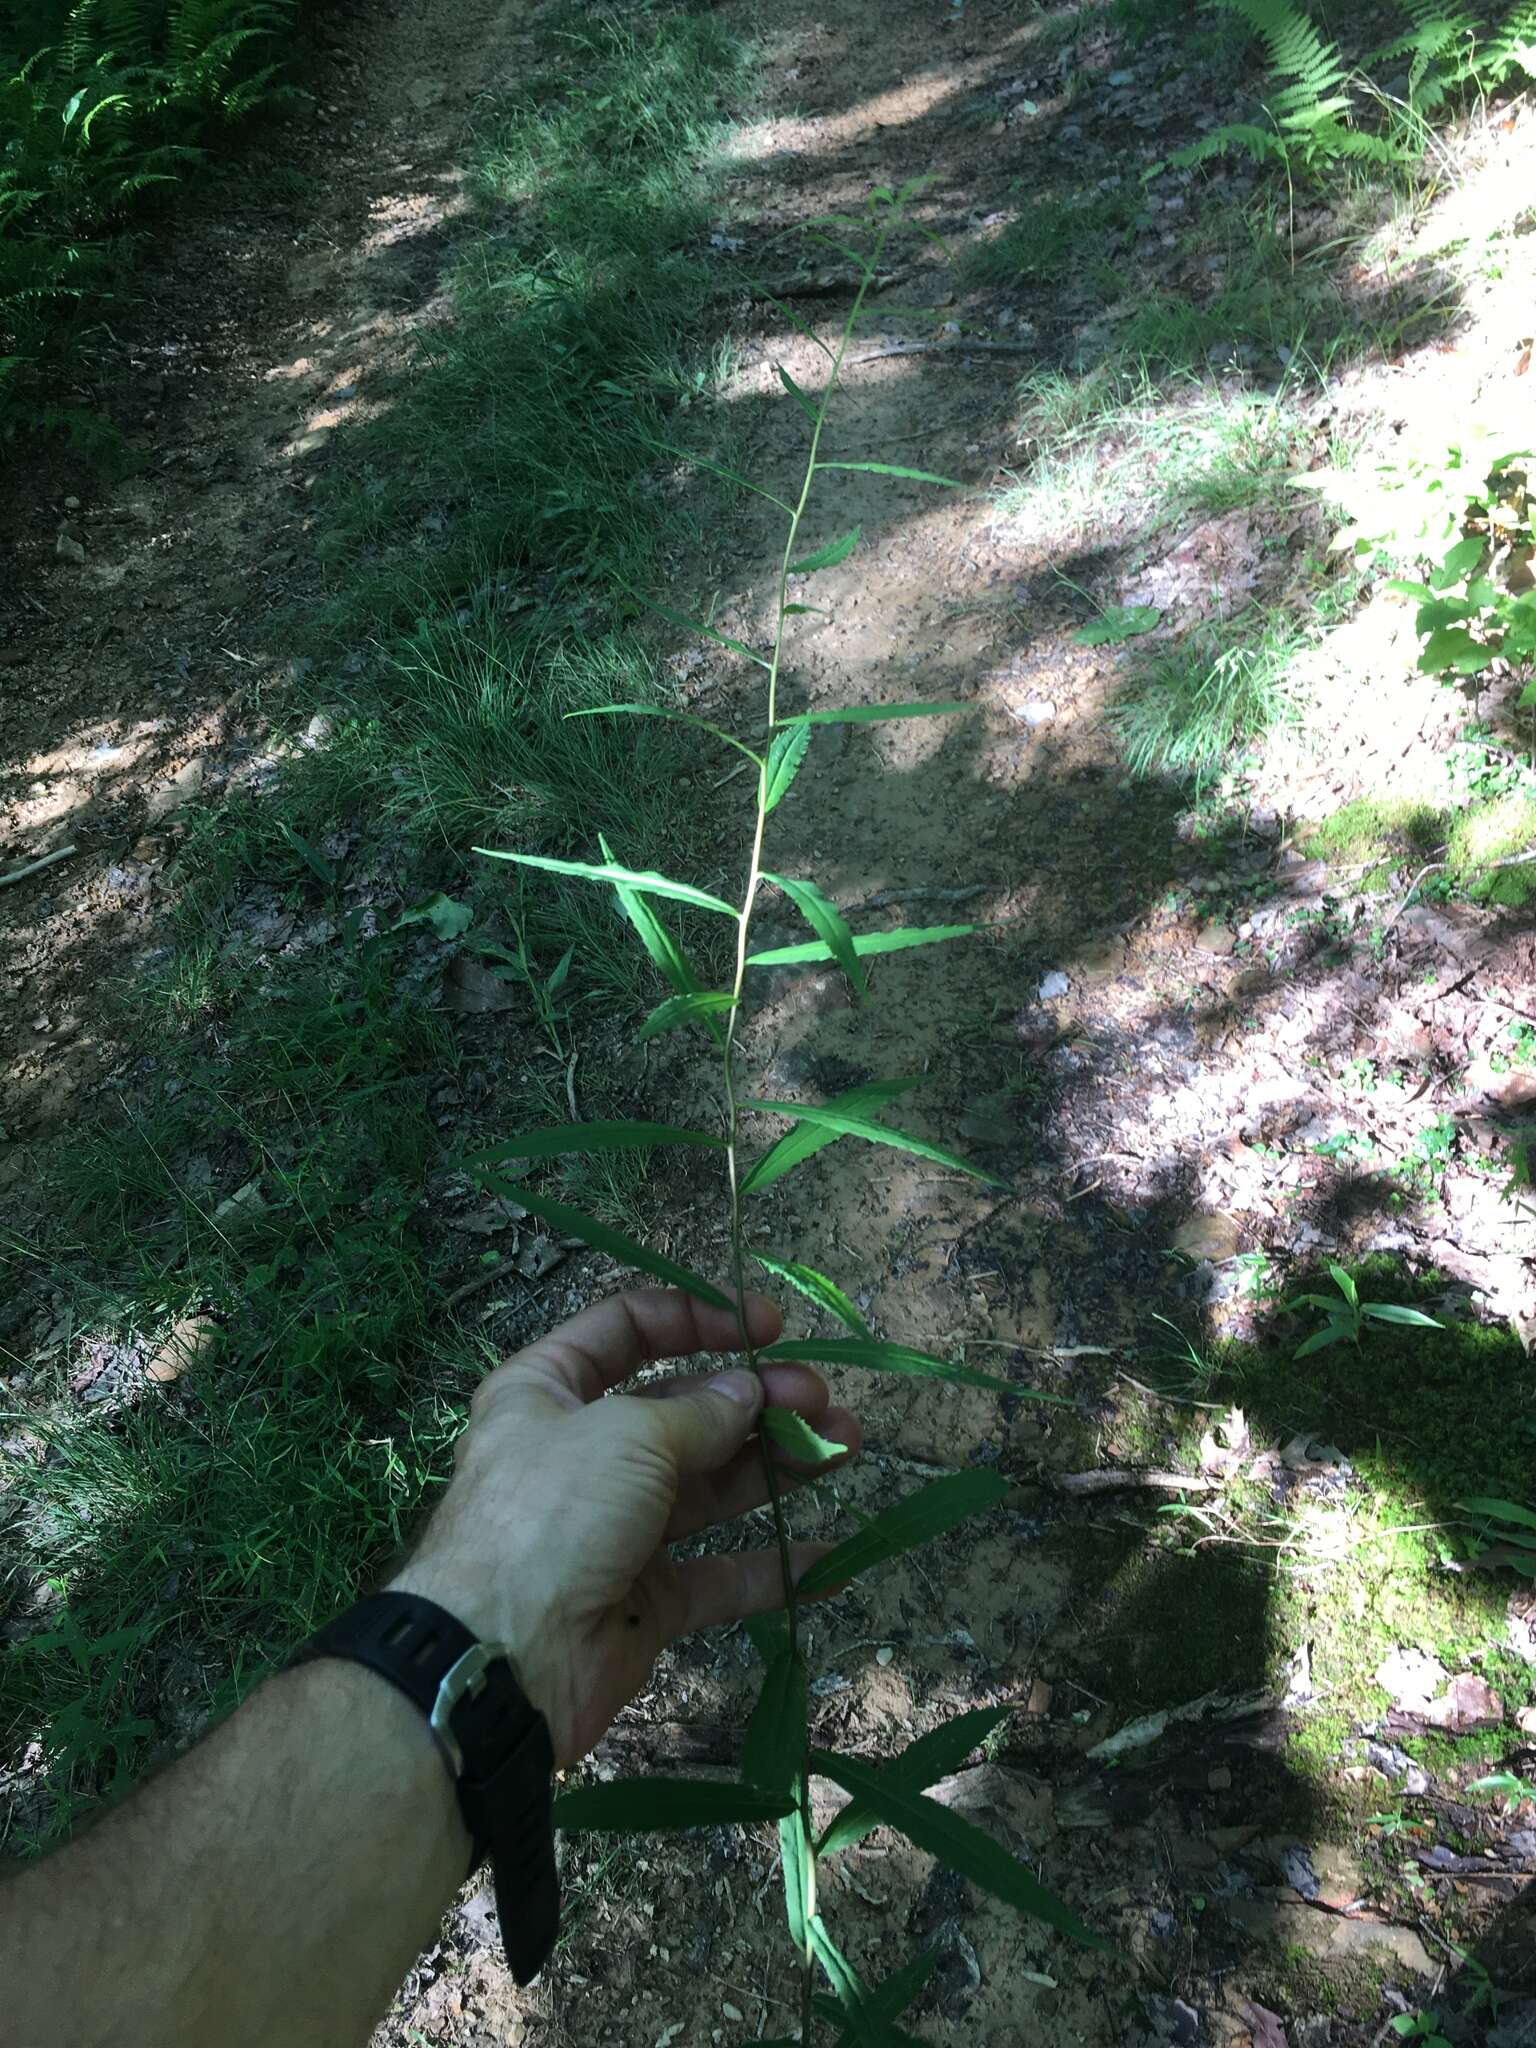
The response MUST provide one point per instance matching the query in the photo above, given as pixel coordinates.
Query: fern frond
(1263, 145)
(1511, 48)
(1295, 47)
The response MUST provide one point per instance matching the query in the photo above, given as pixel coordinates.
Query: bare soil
(1113, 1044)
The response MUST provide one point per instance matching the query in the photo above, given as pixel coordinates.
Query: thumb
(704, 1428)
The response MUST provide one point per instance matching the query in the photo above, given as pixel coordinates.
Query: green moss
(1426, 1420)
(1292, 1979)
(1501, 829)
(1389, 829)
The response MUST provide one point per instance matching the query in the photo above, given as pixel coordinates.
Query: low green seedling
(1119, 623)
(777, 1759)
(1346, 1315)
(1419, 2026)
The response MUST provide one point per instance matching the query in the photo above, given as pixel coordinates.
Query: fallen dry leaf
(189, 1340)
(471, 989)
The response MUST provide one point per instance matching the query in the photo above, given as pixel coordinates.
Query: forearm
(275, 1885)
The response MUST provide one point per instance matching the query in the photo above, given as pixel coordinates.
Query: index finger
(602, 1346)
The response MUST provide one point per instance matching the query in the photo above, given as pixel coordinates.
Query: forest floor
(1212, 1034)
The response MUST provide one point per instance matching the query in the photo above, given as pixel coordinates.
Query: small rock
(321, 728)
(1315, 2031)
(1034, 711)
(1054, 986)
(729, 2011)
(1219, 939)
(1468, 1702)
(1211, 1235)
(1040, 1696)
(1412, 1678)
(183, 786)
(67, 547)
(1526, 1720)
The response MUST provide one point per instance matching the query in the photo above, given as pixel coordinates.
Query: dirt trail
(1091, 1047)
(140, 624)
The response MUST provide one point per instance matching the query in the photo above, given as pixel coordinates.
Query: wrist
(489, 1617)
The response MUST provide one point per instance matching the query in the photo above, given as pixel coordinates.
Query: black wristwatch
(494, 1742)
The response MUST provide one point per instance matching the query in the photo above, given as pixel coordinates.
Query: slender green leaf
(889, 2000)
(784, 758)
(676, 718)
(658, 1805)
(698, 626)
(602, 1238)
(769, 1634)
(866, 943)
(729, 476)
(639, 879)
(805, 1139)
(828, 923)
(798, 1867)
(1321, 1340)
(1501, 1510)
(853, 2002)
(829, 555)
(311, 856)
(657, 939)
(801, 326)
(871, 1354)
(796, 611)
(773, 1750)
(800, 397)
(1394, 1312)
(792, 1434)
(922, 1763)
(816, 1287)
(848, 1126)
(918, 1519)
(1345, 1284)
(603, 1137)
(957, 1843)
(684, 1009)
(916, 476)
(874, 714)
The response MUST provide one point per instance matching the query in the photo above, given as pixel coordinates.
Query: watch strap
(495, 1742)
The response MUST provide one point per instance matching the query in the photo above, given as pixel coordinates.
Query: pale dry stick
(728, 1076)
(1487, 867)
(950, 348)
(34, 866)
(1122, 1479)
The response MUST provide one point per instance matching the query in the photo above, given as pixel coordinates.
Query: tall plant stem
(728, 1059)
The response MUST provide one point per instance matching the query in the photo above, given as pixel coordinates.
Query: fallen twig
(1486, 867)
(43, 861)
(1119, 1479)
(502, 1270)
(949, 348)
(887, 898)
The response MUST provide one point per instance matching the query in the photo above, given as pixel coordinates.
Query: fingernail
(736, 1386)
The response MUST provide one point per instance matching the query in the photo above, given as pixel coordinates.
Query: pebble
(1035, 711)
(1054, 986)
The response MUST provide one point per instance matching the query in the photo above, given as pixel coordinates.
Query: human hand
(552, 1535)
